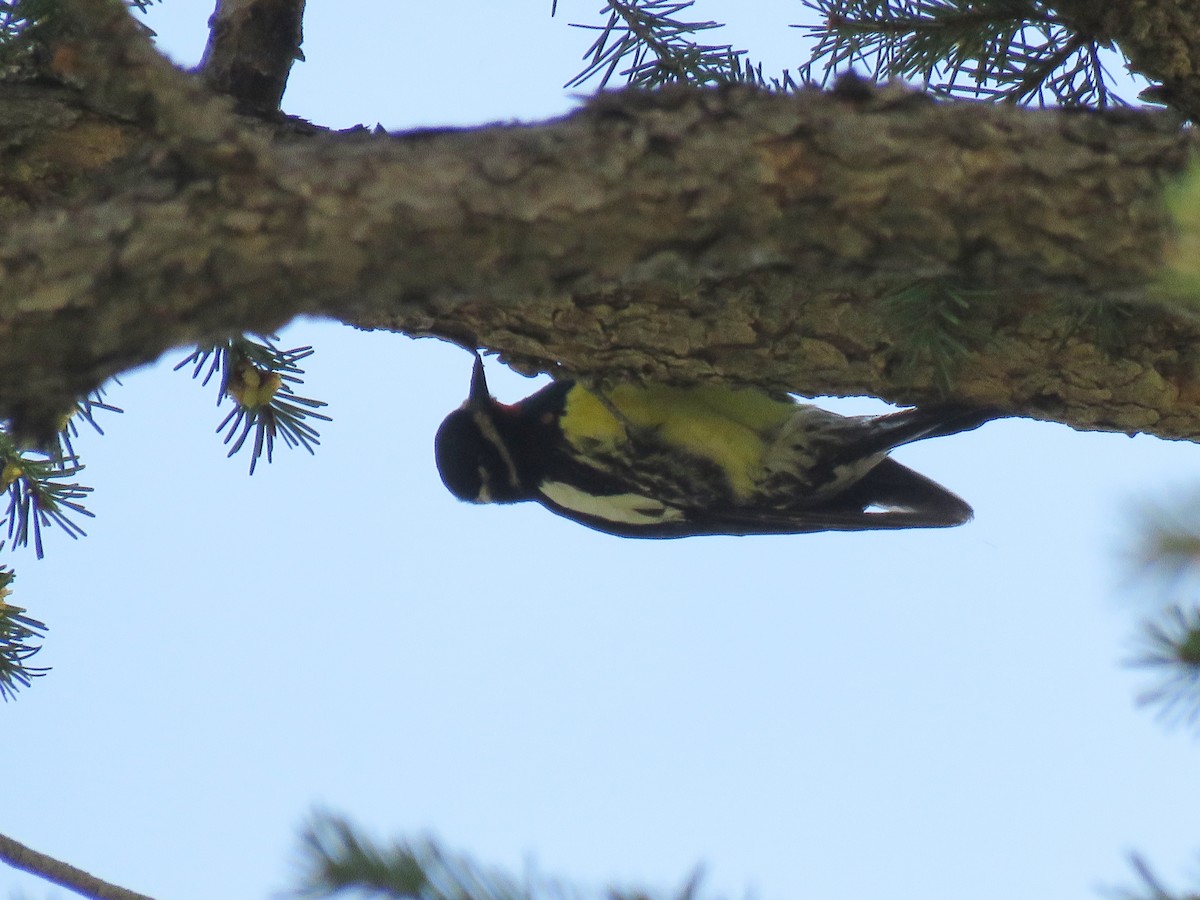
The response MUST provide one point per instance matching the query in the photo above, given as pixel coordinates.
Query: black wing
(890, 496)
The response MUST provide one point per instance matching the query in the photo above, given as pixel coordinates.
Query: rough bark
(682, 235)
(251, 47)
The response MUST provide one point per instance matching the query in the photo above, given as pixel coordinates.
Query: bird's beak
(479, 395)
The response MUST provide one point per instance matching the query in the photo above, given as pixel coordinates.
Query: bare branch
(251, 47)
(21, 857)
(682, 235)
(98, 46)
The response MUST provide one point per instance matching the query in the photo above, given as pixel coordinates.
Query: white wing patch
(626, 509)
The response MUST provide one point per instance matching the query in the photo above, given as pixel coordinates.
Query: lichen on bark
(680, 235)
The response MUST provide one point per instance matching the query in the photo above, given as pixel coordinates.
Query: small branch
(99, 47)
(1036, 76)
(21, 857)
(251, 48)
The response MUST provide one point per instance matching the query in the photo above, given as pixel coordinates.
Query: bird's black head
(460, 449)
(473, 455)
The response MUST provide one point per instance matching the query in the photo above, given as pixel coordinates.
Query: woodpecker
(655, 461)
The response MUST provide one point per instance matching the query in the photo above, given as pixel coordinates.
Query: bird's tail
(906, 426)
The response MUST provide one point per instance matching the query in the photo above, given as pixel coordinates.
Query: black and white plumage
(656, 461)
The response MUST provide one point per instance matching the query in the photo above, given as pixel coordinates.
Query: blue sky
(910, 715)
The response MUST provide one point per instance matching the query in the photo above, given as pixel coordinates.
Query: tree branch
(97, 46)
(21, 857)
(251, 47)
(680, 235)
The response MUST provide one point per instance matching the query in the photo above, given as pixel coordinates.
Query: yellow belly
(732, 427)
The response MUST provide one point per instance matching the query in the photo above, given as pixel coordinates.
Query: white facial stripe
(628, 509)
(488, 428)
(485, 487)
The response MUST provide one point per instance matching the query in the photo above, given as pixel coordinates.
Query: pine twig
(1170, 648)
(656, 48)
(258, 377)
(341, 858)
(1013, 50)
(17, 631)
